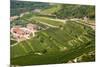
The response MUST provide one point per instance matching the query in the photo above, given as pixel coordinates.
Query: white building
(23, 33)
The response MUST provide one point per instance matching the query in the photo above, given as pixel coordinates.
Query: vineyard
(57, 40)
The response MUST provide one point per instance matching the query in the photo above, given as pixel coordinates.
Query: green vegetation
(49, 21)
(18, 7)
(71, 11)
(51, 43)
(77, 11)
(60, 41)
(51, 10)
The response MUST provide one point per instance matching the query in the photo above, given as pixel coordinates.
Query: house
(36, 10)
(85, 19)
(32, 27)
(23, 33)
(13, 18)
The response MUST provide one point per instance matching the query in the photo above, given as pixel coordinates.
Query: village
(20, 33)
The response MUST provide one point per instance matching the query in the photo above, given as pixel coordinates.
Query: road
(92, 25)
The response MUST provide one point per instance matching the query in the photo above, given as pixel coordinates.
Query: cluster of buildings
(22, 33)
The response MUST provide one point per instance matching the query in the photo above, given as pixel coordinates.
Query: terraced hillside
(58, 44)
(62, 36)
(51, 10)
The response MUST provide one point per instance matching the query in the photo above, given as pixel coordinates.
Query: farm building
(23, 33)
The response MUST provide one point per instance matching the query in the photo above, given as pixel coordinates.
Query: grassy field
(51, 10)
(48, 21)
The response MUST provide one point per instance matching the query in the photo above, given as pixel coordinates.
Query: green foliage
(66, 42)
(70, 11)
(48, 21)
(18, 7)
(18, 22)
(58, 45)
(51, 9)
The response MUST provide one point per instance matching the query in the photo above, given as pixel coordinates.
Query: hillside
(70, 11)
(18, 7)
(54, 43)
(63, 35)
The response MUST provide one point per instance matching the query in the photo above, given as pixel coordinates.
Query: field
(57, 41)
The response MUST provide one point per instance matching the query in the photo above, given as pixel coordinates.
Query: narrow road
(61, 20)
(92, 25)
(14, 44)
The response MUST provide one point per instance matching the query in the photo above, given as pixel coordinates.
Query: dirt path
(92, 25)
(14, 44)
(61, 20)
